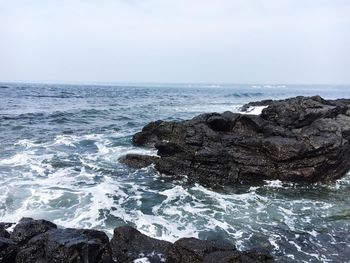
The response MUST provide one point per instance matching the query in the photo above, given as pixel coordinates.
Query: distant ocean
(59, 150)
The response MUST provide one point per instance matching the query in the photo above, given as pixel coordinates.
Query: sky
(175, 41)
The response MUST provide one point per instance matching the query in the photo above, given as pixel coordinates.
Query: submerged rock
(297, 139)
(40, 241)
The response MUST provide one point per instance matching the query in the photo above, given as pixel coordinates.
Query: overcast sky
(212, 41)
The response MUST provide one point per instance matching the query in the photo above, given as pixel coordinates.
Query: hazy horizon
(253, 42)
(140, 83)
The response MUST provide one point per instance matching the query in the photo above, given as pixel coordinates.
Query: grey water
(59, 150)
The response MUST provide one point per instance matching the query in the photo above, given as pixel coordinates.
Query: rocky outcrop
(34, 241)
(41, 241)
(297, 139)
(128, 244)
(192, 250)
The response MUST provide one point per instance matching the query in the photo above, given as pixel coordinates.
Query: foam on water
(256, 110)
(88, 198)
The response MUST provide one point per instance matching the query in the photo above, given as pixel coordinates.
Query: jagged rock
(43, 242)
(238, 257)
(297, 139)
(66, 246)
(4, 233)
(138, 161)
(28, 228)
(193, 250)
(128, 244)
(8, 250)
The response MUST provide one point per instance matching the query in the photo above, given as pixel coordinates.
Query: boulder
(138, 161)
(44, 242)
(302, 139)
(193, 250)
(128, 244)
(66, 246)
(8, 250)
(28, 228)
(4, 233)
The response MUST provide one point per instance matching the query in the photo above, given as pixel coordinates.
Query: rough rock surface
(28, 228)
(129, 244)
(67, 245)
(192, 250)
(40, 241)
(297, 139)
(138, 161)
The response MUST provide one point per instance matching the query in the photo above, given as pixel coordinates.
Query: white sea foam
(254, 110)
(142, 260)
(90, 196)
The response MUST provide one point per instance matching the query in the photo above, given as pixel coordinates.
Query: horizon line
(139, 83)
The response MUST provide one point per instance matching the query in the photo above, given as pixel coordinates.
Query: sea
(59, 151)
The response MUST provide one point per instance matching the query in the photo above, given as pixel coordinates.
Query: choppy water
(59, 150)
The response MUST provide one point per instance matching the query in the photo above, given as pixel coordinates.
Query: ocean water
(59, 150)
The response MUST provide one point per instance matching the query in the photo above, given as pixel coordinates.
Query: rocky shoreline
(34, 241)
(301, 139)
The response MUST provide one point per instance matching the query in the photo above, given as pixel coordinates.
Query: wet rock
(193, 250)
(8, 250)
(128, 244)
(238, 257)
(297, 139)
(28, 228)
(138, 161)
(4, 233)
(46, 243)
(66, 246)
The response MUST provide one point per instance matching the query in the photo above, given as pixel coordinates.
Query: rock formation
(34, 241)
(297, 139)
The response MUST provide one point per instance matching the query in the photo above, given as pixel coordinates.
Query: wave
(245, 94)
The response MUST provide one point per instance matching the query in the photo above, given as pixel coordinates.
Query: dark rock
(297, 139)
(65, 246)
(238, 257)
(8, 250)
(138, 161)
(46, 243)
(4, 233)
(129, 244)
(193, 250)
(28, 228)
